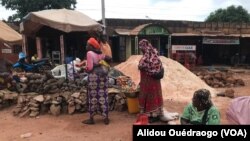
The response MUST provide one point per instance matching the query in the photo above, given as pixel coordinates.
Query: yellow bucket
(133, 105)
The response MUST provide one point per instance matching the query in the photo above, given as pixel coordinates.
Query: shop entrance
(220, 51)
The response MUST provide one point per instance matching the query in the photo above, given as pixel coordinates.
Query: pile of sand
(178, 83)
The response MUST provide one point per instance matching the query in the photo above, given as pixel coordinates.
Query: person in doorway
(200, 60)
(201, 111)
(22, 58)
(34, 58)
(97, 84)
(236, 59)
(150, 96)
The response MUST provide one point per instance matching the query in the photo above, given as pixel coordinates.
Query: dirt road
(70, 128)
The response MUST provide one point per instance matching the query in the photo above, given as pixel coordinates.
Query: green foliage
(23, 7)
(230, 14)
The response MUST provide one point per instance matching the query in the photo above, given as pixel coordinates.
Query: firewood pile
(220, 79)
(117, 102)
(55, 104)
(41, 94)
(33, 104)
(5, 80)
(44, 84)
(7, 98)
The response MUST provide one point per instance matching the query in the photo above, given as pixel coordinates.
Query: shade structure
(9, 35)
(61, 19)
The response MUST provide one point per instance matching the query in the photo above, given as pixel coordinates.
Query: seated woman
(201, 111)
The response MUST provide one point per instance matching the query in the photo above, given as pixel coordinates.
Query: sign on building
(183, 47)
(221, 41)
(6, 51)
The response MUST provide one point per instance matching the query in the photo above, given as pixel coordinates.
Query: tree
(230, 14)
(23, 7)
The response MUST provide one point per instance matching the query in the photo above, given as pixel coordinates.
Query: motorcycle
(37, 66)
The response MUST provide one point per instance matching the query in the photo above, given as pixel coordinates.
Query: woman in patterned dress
(97, 83)
(150, 96)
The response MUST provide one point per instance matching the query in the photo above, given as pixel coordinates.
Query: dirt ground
(70, 128)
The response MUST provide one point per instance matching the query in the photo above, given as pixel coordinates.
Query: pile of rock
(219, 79)
(33, 104)
(77, 102)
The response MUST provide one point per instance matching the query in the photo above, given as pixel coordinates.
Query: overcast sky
(191, 10)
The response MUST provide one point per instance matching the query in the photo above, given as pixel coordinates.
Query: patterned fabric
(97, 87)
(97, 95)
(150, 62)
(150, 96)
(190, 113)
(126, 84)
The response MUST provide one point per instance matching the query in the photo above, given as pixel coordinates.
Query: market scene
(66, 76)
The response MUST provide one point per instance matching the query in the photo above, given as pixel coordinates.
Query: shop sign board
(221, 41)
(183, 47)
(153, 30)
(6, 51)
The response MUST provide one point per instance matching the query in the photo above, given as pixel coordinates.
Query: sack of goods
(159, 75)
(102, 68)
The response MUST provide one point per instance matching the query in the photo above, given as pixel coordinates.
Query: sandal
(88, 121)
(106, 121)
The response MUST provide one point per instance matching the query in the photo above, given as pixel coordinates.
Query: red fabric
(150, 92)
(150, 61)
(93, 42)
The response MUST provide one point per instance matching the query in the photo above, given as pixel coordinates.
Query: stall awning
(9, 35)
(61, 19)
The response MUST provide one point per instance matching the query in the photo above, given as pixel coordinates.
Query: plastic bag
(159, 75)
(102, 69)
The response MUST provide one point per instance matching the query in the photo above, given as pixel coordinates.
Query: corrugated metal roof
(245, 35)
(211, 35)
(123, 31)
(137, 29)
(185, 34)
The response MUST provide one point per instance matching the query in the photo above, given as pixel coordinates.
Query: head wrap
(93, 42)
(204, 97)
(150, 61)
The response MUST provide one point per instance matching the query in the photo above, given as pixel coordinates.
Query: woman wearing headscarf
(102, 39)
(97, 83)
(150, 96)
(201, 110)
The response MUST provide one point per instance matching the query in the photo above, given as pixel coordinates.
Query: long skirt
(150, 96)
(97, 95)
